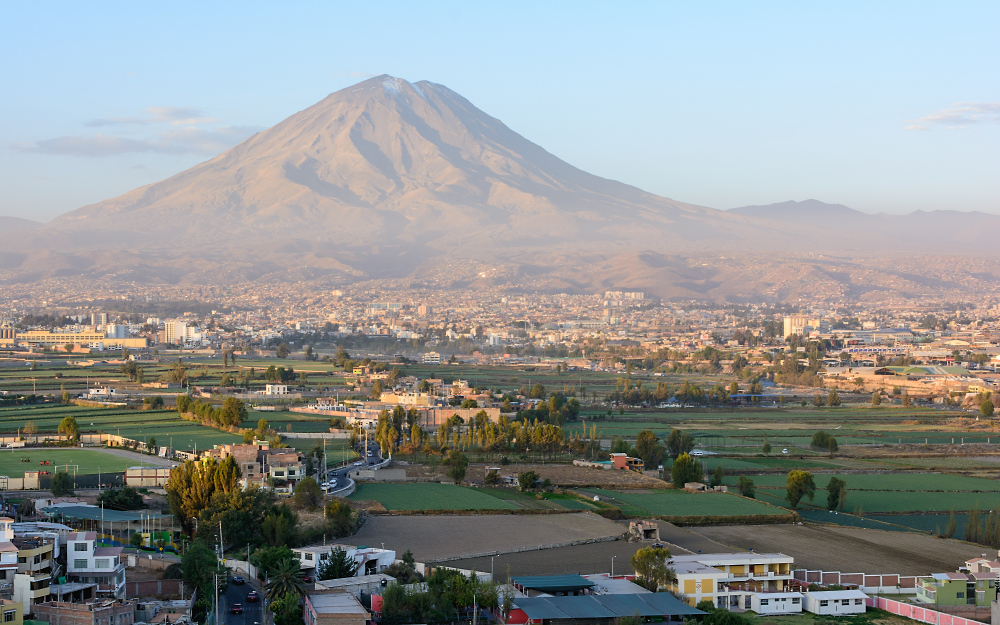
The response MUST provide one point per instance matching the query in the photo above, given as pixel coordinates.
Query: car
(237, 608)
(238, 579)
(784, 451)
(253, 596)
(307, 579)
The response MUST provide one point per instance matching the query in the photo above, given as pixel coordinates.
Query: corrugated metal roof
(666, 604)
(553, 583)
(604, 606)
(582, 606)
(539, 608)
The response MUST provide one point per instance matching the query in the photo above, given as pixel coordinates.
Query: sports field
(87, 461)
(429, 497)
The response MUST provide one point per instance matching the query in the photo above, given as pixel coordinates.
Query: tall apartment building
(175, 331)
(88, 563)
(804, 324)
(98, 319)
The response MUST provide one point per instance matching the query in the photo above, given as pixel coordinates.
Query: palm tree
(287, 578)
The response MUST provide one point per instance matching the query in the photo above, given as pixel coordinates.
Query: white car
(784, 451)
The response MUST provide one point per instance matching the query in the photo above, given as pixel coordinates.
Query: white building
(370, 560)
(776, 602)
(432, 358)
(88, 563)
(835, 602)
(276, 389)
(8, 555)
(175, 331)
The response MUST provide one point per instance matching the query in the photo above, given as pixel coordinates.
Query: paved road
(253, 612)
(374, 457)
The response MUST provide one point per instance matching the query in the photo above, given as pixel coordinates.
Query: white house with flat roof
(88, 563)
(776, 602)
(729, 579)
(835, 602)
(370, 560)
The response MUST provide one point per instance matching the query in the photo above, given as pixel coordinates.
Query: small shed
(776, 602)
(835, 602)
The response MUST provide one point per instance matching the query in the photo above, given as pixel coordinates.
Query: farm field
(429, 496)
(135, 424)
(89, 461)
(885, 482)
(679, 503)
(444, 537)
(848, 549)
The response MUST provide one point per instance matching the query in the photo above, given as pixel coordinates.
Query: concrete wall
(924, 615)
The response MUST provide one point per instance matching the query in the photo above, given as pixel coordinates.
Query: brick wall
(155, 587)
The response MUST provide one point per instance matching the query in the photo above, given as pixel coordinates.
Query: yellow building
(728, 579)
(13, 612)
(44, 338)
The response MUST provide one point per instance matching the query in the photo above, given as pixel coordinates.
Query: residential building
(623, 461)
(94, 613)
(370, 560)
(146, 476)
(804, 324)
(776, 602)
(432, 358)
(88, 563)
(13, 612)
(944, 589)
(835, 602)
(730, 579)
(8, 554)
(35, 558)
(332, 607)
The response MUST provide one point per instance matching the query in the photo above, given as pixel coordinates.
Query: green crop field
(680, 503)
(886, 482)
(429, 497)
(907, 501)
(88, 461)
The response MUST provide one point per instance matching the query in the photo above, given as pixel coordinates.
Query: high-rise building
(98, 319)
(175, 331)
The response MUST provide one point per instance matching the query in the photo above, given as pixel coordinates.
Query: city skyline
(881, 109)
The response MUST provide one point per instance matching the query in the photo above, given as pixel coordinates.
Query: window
(858, 602)
(8, 615)
(845, 602)
(796, 600)
(763, 601)
(960, 595)
(824, 603)
(80, 563)
(102, 563)
(79, 546)
(309, 557)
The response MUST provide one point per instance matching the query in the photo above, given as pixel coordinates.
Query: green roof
(580, 607)
(92, 513)
(553, 583)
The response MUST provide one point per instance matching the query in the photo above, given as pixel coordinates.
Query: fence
(885, 583)
(917, 613)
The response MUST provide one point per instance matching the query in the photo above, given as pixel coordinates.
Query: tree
(234, 412)
(270, 559)
(69, 428)
(798, 485)
(649, 449)
(125, 498)
(679, 442)
(685, 470)
(832, 399)
(286, 580)
(986, 408)
(29, 429)
(906, 400)
(62, 485)
(818, 401)
(286, 610)
(65, 397)
(282, 351)
(717, 477)
(154, 402)
(766, 448)
(650, 566)
(69, 348)
(824, 441)
(470, 403)
(836, 493)
(198, 565)
(307, 494)
(338, 565)
(876, 399)
(746, 487)
(526, 480)
(537, 392)
(456, 463)
(151, 445)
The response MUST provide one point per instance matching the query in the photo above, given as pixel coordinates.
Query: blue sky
(884, 107)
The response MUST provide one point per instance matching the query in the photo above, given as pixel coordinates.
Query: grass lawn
(89, 461)
(430, 497)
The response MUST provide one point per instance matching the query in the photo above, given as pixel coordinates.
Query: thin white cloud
(173, 115)
(960, 115)
(178, 141)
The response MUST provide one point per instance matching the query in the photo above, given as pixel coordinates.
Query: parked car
(307, 579)
(238, 579)
(237, 608)
(253, 596)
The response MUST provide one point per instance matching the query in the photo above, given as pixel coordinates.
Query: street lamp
(613, 566)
